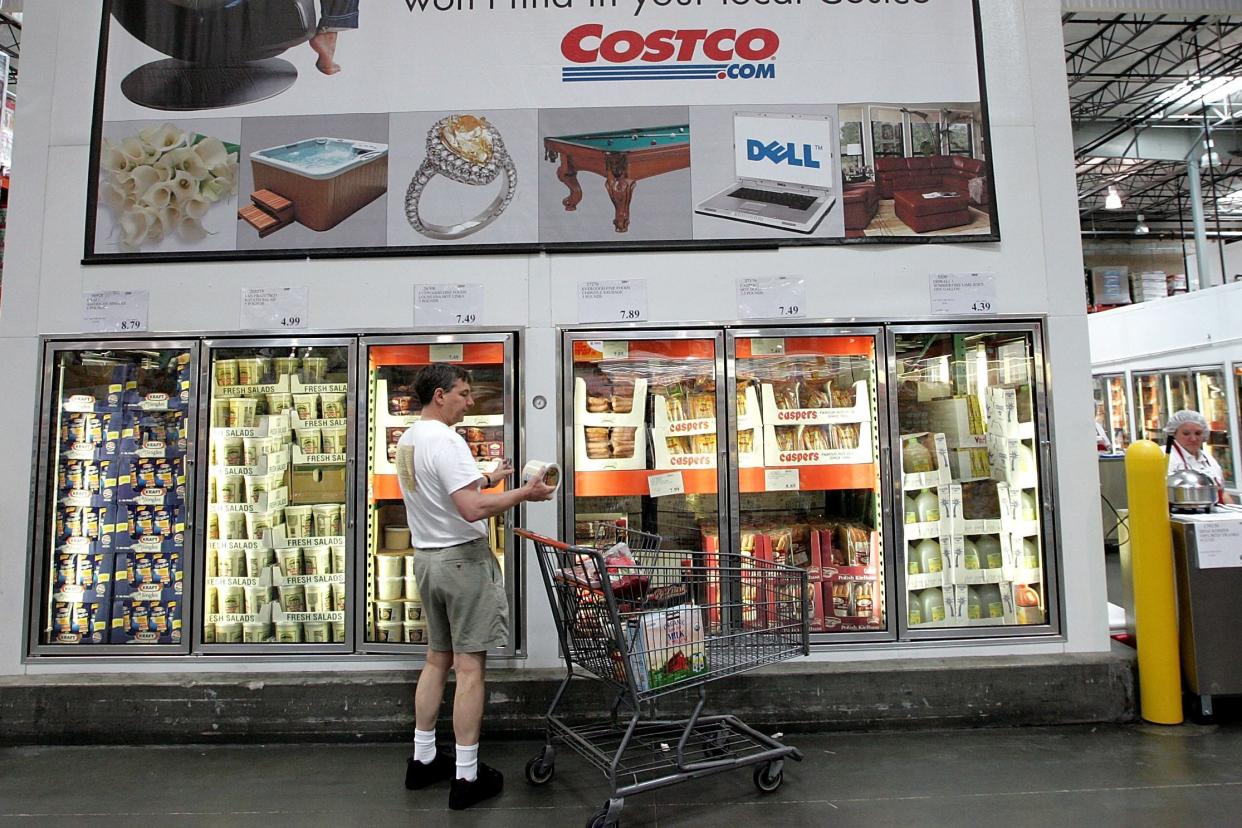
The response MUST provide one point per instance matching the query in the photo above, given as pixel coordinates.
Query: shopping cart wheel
(611, 809)
(769, 776)
(540, 770)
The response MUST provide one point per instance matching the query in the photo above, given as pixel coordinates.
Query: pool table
(623, 157)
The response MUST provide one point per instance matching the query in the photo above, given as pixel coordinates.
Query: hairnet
(1184, 416)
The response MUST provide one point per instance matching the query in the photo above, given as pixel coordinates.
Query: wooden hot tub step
(262, 221)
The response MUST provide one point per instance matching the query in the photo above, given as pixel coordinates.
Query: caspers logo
(789, 154)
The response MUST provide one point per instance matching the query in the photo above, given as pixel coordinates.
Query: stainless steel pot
(1191, 490)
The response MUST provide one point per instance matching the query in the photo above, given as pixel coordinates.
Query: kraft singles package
(667, 646)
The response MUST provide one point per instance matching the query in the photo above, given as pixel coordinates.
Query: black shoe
(463, 794)
(420, 774)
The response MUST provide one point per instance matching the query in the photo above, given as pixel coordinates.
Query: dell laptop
(784, 170)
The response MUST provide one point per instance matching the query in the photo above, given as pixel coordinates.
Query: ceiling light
(1112, 201)
(1141, 229)
(1211, 158)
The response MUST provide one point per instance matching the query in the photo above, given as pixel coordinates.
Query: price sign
(446, 353)
(620, 300)
(662, 485)
(1219, 542)
(781, 480)
(964, 294)
(444, 305)
(115, 310)
(778, 297)
(767, 347)
(275, 308)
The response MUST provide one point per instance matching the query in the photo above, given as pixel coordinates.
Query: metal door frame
(880, 375)
(1050, 533)
(275, 649)
(41, 508)
(514, 569)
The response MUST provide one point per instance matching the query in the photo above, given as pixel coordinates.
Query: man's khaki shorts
(464, 599)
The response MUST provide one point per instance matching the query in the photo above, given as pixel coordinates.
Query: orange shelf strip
(473, 353)
(815, 346)
(620, 483)
(646, 348)
(816, 478)
(386, 487)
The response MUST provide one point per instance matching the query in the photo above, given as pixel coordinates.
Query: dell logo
(780, 153)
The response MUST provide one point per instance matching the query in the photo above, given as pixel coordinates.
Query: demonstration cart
(648, 622)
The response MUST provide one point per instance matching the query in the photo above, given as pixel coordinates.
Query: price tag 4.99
(280, 308)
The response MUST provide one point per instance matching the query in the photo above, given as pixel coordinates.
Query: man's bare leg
(324, 45)
(430, 691)
(468, 698)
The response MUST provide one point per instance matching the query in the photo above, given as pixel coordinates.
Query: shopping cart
(648, 622)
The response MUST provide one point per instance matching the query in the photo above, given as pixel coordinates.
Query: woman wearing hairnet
(1188, 431)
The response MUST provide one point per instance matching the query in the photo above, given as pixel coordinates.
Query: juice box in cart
(667, 646)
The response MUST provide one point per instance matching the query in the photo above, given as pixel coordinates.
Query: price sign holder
(448, 305)
(282, 309)
(777, 297)
(450, 352)
(781, 480)
(620, 300)
(114, 311)
(663, 485)
(963, 294)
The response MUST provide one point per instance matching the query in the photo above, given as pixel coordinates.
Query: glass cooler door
(1213, 404)
(1118, 413)
(972, 466)
(805, 448)
(1149, 407)
(392, 613)
(279, 459)
(618, 389)
(114, 503)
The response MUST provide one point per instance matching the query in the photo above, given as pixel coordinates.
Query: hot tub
(327, 179)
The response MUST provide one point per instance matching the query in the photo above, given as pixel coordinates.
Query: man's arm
(475, 504)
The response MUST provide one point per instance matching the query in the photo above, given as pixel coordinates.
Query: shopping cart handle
(531, 536)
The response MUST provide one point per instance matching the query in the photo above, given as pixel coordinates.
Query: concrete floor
(1099, 776)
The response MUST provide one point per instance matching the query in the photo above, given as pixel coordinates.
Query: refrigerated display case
(1213, 403)
(276, 569)
(1150, 407)
(973, 469)
(805, 467)
(114, 504)
(1111, 409)
(1118, 411)
(391, 616)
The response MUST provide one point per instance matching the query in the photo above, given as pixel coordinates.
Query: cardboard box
(317, 485)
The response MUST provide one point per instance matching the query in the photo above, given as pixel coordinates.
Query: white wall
(1038, 266)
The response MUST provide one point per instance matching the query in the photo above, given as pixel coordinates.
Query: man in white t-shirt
(459, 582)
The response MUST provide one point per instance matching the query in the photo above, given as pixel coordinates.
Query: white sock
(424, 746)
(468, 762)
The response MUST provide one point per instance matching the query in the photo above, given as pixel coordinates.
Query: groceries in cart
(666, 646)
(620, 565)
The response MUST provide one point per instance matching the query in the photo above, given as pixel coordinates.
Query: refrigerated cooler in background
(276, 568)
(1204, 389)
(973, 472)
(391, 615)
(1112, 410)
(114, 504)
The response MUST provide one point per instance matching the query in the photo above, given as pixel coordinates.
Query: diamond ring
(469, 150)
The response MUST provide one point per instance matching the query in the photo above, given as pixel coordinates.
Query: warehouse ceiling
(1146, 90)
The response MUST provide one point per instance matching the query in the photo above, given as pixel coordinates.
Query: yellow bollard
(1155, 590)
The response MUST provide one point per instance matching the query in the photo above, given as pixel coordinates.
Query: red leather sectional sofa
(933, 172)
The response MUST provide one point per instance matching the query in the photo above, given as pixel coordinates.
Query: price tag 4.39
(963, 294)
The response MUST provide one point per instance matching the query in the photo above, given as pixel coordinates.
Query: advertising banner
(279, 128)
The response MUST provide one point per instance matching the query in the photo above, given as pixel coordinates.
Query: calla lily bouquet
(162, 181)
